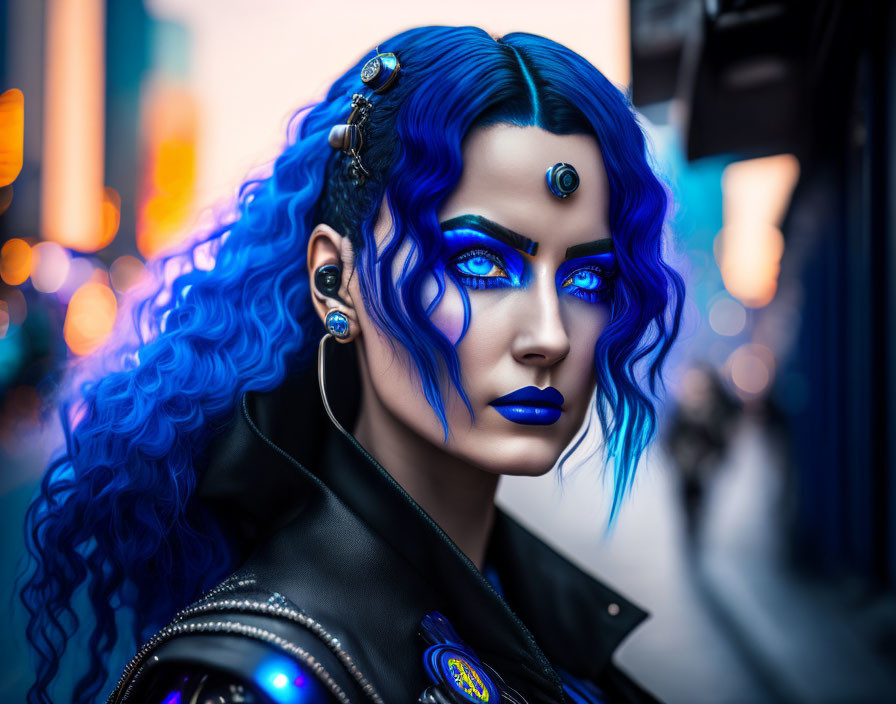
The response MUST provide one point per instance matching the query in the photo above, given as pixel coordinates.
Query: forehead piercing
(337, 325)
(562, 179)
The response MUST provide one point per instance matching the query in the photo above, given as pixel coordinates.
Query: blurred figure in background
(697, 437)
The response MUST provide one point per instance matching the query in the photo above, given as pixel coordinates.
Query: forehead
(503, 180)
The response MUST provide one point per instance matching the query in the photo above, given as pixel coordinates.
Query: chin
(529, 457)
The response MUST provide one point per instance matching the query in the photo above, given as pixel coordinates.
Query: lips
(531, 405)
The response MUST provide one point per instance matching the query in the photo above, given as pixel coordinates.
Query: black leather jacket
(341, 566)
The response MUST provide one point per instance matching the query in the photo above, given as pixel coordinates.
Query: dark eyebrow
(601, 246)
(492, 229)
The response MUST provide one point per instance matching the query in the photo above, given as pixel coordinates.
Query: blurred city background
(761, 534)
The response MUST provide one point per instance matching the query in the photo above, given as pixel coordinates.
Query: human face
(534, 318)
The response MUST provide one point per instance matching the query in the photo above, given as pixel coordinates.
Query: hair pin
(378, 74)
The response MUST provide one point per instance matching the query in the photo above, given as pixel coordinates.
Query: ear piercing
(337, 325)
(563, 179)
(327, 280)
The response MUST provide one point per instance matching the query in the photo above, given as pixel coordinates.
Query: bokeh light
(15, 261)
(111, 217)
(49, 266)
(756, 193)
(4, 319)
(14, 301)
(170, 173)
(73, 139)
(80, 270)
(90, 317)
(125, 272)
(749, 257)
(727, 317)
(751, 368)
(12, 135)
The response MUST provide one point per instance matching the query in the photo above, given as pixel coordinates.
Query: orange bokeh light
(90, 317)
(111, 217)
(749, 258)
(756, 193)
(15, 261)
(73, 137)
(168, 186)
(12, 134)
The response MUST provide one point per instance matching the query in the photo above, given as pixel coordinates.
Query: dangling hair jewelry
(378, 74)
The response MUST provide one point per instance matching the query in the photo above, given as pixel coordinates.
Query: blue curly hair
(116, 518)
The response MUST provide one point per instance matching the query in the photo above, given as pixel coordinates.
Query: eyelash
(479, 282)
(595, 295)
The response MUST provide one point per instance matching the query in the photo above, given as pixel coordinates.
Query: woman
(476, 226)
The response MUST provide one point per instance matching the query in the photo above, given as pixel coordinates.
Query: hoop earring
(322, 381)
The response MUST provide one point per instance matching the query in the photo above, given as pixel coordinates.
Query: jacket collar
(571, 620)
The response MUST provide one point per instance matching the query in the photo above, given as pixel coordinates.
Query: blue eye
(589, 284)
(585, 279)
(476, 266)
(480, 268)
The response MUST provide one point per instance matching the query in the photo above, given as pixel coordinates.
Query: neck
(458, 497)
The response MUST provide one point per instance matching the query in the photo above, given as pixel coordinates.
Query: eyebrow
(492, 229)
(601, 246)
(521, 242)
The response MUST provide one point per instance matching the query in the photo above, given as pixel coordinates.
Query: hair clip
(378, 74)
(349, 138)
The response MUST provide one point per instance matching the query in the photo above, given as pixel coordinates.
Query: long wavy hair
(116, 518)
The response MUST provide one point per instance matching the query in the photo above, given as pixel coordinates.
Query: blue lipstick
(531, 405)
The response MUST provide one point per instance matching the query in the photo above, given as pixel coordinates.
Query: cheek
(448, 316)
(584, 323)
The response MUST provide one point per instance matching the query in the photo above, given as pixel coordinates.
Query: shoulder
(240, 644)
(189, 680)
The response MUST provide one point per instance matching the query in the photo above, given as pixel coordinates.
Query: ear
(326, 246)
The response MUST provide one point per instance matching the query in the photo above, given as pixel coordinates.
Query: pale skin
(533, 334)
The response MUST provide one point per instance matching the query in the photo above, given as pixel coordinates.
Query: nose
(541, 339)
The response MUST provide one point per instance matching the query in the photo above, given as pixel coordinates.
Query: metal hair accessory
(349, 137)
(378, 74)
(563, 179)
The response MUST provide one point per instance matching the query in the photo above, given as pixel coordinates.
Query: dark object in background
(697, 437)
(742, 73)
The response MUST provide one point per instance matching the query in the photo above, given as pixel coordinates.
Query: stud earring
(337, 325)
